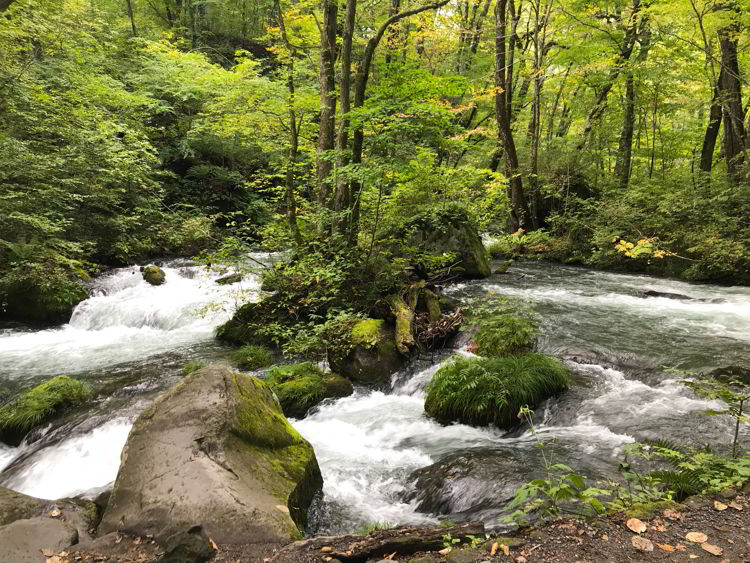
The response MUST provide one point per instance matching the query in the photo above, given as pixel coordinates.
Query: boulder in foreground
(214, 451)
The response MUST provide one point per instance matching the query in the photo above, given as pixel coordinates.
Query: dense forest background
(605, 132)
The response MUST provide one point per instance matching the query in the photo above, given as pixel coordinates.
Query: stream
(382, 459)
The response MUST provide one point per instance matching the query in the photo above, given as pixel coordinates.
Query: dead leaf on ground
(520, 559)
(605, 537)
(48, 552)
(326, 549)
(54, 513)
(506, 549)
(493, 550)
(659, 528)
(696, 537)
(720, 506)
(712, 549)
(637, 526)
(53, 559)
(672, 514)
(665, 547)
(445, 551)
(639, 542)
(736, 505)
(213, 544)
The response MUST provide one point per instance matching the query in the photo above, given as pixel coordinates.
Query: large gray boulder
(214, 451)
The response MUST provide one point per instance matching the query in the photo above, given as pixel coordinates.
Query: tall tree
(327, 135)
(735, 137)
(504, 37)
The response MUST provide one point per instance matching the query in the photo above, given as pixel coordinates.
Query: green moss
(253, 357)
(258, 419)
(299, 387)
(38, 405)
(647, 510)
(483, 391)
(154, 275)
(368, 332)
(505, 334)
(192, 366)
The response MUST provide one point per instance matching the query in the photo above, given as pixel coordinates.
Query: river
(382, 459)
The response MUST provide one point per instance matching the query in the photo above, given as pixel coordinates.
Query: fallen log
(379, 543)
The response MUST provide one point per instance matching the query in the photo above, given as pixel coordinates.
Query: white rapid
(108, 342)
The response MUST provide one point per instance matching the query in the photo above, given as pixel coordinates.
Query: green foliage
(504, 328)
(299, 387)
(372, 527)
(192, 366)
(492, 390)
(252, 357)
(536, 244)
(39, 404)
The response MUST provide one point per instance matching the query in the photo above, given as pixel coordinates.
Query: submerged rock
(214, 451)
(665, 295)
(373, 356)
(300, 387)
(154, 275)
(731, 373)
(229, 279)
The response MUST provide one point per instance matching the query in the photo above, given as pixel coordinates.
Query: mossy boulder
(214, 451)
(300, 387)
(229, 279)
(252, 357)
(372, 356)
(38, 405)
(504, 334)
(244, 326)
(484, 391)
(154, 275)
(51, 300)
(448, 229)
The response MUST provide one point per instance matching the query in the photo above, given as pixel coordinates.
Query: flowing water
(382, 459)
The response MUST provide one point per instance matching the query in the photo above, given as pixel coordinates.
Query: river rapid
(382, 459)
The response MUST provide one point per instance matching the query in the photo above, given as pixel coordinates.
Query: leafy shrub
(38, 405)
(253, 357)
(536, 244)
(484, 391)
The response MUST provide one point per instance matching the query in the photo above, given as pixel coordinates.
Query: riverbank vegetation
(568, 129)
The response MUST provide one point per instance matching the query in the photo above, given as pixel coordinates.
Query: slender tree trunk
(327, 134)
(556, 104)
(392, 42)
(735, 136)
(520, 216)
(291, 203)
(132, 18)
(712, 134)
(363, 75)
(342, 201)
(625, 51)
(625, 151)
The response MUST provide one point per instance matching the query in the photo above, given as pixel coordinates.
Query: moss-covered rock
(229, 279)
(252, 357)
(154, 275)
(38, 406)
(300, 387)
(504, 334)
(483, 391)
(226, 459)
(449, 229)
(192, 366)
(30, 299)
(372, 357)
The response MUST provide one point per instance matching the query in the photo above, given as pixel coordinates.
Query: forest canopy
(612, 133)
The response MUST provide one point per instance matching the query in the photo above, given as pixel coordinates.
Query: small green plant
(253, 357)
(449, 542)
(505, 327)
(299, 387)
(732, 392)
(561, 489)
(192, 366)
(372, 527)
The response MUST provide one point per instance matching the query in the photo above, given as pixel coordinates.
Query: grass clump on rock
(300, 387)
(192, 366)
(483, 391)
(505, 334)
(38, 405)
(253, 357)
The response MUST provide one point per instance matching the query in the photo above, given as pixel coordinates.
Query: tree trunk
(519, 208)
(712, 134)
(625, 151)
(327, 134)
(392, 42)
(291, 203)
(342, 201)
(130, 15)
(731, 96)
(625, 51)
(363, 75)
